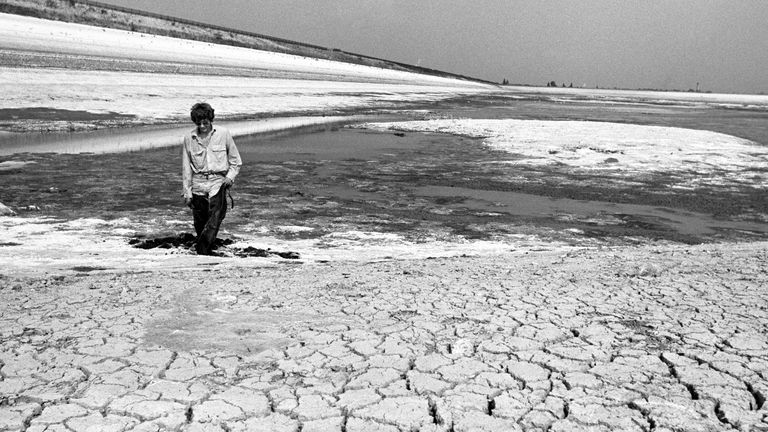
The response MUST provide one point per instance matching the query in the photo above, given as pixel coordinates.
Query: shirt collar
(194, 132)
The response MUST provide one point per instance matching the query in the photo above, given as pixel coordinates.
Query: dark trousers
(208, 214)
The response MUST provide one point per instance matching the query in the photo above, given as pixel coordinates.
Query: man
(209, 164)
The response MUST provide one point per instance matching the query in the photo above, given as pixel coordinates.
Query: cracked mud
(645, 338)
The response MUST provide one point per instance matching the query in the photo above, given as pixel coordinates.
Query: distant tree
(505, 82)
(563, 85)
(571, 86)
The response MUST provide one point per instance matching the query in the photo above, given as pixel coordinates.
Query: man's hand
(228, 182)
(188, 202)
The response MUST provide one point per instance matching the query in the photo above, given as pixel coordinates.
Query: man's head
(201, 111)
(202, 116)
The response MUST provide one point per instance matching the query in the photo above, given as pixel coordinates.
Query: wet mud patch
(186, 241)
(88, 269)
(44, 113)
(251, 251)
(44, 119)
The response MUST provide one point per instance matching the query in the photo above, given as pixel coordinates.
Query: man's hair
(201, 111)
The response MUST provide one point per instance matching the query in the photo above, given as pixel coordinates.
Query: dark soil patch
(186, 241)
(88, 269)
(41, 113)
(251, 251)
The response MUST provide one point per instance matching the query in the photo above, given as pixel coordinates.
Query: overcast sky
(664, 44)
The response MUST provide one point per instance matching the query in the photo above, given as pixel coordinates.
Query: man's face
(204, 126)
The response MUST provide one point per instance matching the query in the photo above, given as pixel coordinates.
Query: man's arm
(233, 157)
(186, 172)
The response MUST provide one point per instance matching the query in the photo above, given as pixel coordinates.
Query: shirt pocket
(198, 158)
(218, 157)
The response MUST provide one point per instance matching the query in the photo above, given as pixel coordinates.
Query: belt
(210, 175)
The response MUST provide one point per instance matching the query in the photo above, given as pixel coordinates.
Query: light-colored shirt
(206, 161)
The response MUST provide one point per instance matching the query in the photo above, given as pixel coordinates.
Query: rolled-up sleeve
(233, 157)
(186, 170)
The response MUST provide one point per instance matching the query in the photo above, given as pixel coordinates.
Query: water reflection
(145, 137)
(100, 141)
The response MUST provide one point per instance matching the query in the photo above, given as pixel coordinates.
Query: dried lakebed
(640, 338)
